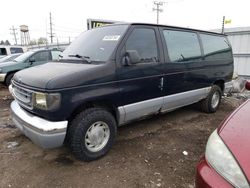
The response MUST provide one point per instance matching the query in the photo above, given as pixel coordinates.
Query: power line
(14, 33)
(158, 9)
(67, 31)
(68, 28)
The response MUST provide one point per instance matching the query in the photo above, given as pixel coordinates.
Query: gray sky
(69, 16)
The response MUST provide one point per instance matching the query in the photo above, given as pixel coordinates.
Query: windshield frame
(111, 54)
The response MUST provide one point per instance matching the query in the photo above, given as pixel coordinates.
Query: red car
(227, 158)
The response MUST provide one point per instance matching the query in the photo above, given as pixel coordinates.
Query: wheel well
(221, 84)
(11, 72)
(101, 104)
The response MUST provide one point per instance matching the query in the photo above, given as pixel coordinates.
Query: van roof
(169, 26)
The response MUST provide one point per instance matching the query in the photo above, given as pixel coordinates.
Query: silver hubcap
(215, 99)
(97, 136)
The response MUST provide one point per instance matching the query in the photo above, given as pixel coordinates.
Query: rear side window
(182, 46)
(143, 40)
(55, 55)
(215, 47)
(3, 51)
(16, 50)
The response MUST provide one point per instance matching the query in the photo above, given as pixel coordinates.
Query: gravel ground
(147, 153)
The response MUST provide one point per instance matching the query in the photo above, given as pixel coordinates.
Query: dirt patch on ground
(147, 153)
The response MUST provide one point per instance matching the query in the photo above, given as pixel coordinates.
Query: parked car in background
(26, 60)
(8, 50)
(248, 85)
(226, 162)
(9, 57)
(112, 75)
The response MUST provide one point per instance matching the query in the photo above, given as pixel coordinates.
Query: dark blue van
(115, 74)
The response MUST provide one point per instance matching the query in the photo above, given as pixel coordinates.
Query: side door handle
(161, 83)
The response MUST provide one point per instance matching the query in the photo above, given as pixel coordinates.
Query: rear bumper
(42, 132)
(207, 177)
(2, 77)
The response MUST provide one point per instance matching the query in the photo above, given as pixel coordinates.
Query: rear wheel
(8, 79)
(212, 102)
(92, 133)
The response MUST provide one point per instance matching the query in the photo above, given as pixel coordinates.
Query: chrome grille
(22, 95)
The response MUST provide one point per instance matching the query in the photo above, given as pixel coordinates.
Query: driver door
(141, 83)
(40, 58)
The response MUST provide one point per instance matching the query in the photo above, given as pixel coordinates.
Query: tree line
(41, 40)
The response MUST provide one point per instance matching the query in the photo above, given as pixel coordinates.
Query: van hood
(58, 75)
(235, 133)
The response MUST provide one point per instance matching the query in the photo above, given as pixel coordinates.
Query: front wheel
(212, 102)
(92, 133)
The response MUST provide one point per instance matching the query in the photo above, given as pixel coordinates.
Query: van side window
(14, 50)
(143, 40)
(182, 46)
(215, 47)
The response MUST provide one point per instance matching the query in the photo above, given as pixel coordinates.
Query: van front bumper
(2, 77)
(42, 132)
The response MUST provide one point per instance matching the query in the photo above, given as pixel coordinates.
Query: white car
(8, 50)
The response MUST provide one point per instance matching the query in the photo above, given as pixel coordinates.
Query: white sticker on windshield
(111, 37)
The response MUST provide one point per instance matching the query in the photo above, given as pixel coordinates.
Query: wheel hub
(215, 99)
(97, 136)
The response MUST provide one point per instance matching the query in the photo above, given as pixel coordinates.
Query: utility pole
(158, 9)
(14, 33)
(51, 33)
(223, 25)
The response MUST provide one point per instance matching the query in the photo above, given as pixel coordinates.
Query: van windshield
(96, 44)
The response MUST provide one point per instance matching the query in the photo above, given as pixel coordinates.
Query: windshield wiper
(84, 58)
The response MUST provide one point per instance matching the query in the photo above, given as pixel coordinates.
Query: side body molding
(137, 110)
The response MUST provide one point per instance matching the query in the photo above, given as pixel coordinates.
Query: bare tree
(33, 42)
(42, 40)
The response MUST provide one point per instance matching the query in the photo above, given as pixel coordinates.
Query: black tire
(206, 104)
(8, 79)
(79, 127)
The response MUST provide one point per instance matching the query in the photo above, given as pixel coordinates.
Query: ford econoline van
(112, 75)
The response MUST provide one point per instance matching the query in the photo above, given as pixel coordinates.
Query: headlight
(47, 101)
(222, 160)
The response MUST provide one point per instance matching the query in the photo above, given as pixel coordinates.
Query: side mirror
(131, 57)
(32, 60)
